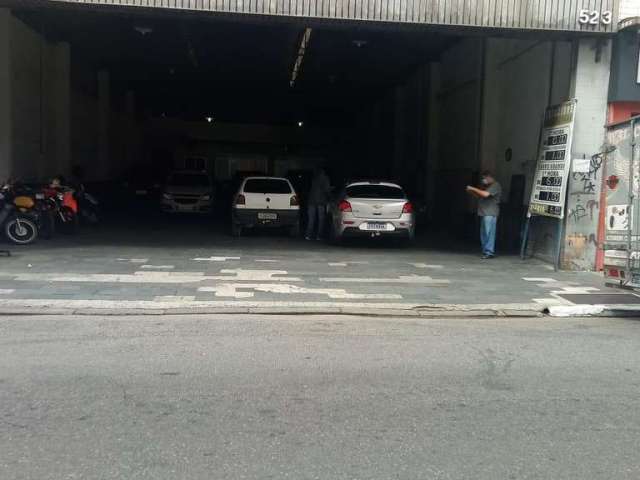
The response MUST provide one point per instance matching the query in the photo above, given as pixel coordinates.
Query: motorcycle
(19, 228)
(66, 207)
(33, 203)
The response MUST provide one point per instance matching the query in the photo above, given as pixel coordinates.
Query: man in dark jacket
(317, 204)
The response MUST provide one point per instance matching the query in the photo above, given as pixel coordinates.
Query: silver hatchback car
(372, 209)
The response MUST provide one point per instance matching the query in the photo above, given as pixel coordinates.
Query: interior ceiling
(236, 70)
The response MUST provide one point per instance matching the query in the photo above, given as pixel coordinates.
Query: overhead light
(302, 49)
(300, 124)
(359, 43)
(209, 119)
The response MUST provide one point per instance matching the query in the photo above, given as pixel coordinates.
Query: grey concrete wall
(5, 95)
(48, 122)
(583, 202)
(27, 101)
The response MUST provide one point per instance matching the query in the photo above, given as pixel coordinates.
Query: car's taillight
(344, 206)
(408, 208)
(240, 200)
(294, 201)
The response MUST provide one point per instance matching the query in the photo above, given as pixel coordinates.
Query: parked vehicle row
(363, 208)
(28, 212)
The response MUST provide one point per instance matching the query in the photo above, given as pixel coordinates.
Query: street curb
(432, 311)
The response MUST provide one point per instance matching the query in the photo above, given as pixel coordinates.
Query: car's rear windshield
(189, 180)
(375, 191)
(267, 185)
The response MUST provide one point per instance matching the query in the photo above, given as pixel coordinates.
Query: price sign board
(554, 161)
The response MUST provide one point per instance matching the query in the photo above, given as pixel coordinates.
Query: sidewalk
(262, 275)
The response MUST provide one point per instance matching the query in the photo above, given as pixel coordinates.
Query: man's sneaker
(308, 238)
(486, 256)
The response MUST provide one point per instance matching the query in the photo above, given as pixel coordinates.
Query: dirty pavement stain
(496, 369)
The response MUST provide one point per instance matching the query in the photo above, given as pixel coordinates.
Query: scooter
(19, 228)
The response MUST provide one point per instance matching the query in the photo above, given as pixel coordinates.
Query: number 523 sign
(594, 17)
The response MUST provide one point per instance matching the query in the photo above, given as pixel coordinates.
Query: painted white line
(175, 298)
(133, 260)
(266, 260)
(141, 277)
(538, 280)
(411, 279)
(6, 291)
(426, 265)
(574, 290)
(231, 290)
(157, 267)
(337, 264)
(240, 275)
(215, 259)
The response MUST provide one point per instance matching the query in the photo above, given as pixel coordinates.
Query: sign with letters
(553, 165)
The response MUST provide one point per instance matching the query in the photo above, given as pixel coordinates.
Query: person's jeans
(488, 235)
(315, 216)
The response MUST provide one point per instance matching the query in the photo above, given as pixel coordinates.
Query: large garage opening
(126, 98)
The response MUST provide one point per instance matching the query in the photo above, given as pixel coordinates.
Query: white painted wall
(583, 204)
(629, 8)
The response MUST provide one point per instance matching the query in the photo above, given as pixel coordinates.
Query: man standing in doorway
(488, 211)
(317, 204)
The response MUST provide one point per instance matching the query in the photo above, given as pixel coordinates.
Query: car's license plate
(267, 216)
(376, 226)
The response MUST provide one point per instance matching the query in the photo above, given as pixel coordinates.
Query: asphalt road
(318, 398)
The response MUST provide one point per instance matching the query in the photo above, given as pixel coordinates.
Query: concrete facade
(479, 106)
(54, 113)
(629, 8)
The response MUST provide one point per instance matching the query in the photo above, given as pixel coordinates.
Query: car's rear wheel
(236, 230)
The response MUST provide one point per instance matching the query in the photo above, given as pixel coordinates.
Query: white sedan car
(266, 202)
(372, 209)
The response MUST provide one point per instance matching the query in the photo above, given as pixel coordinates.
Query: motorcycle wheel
(21, 231)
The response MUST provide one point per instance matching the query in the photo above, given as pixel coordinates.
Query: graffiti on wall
(584, 188)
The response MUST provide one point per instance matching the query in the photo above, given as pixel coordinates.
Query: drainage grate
(602, 298)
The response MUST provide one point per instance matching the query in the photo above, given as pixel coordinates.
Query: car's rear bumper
(356, 232)
(176, 207)
(352, 226)
(249, 217)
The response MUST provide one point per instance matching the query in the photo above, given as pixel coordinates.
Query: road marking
(133, 260)
(175, 298)
(215, 259)
(237, 275)
(266, 260)
(571, 290)
(337, 264)
(157, 267)
(426, 265)
(241, 274)
(6, 291)
(231, 290)
(538, 280)
(411, 279)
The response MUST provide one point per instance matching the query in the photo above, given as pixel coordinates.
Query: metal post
(525, 237)
(560, 235)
